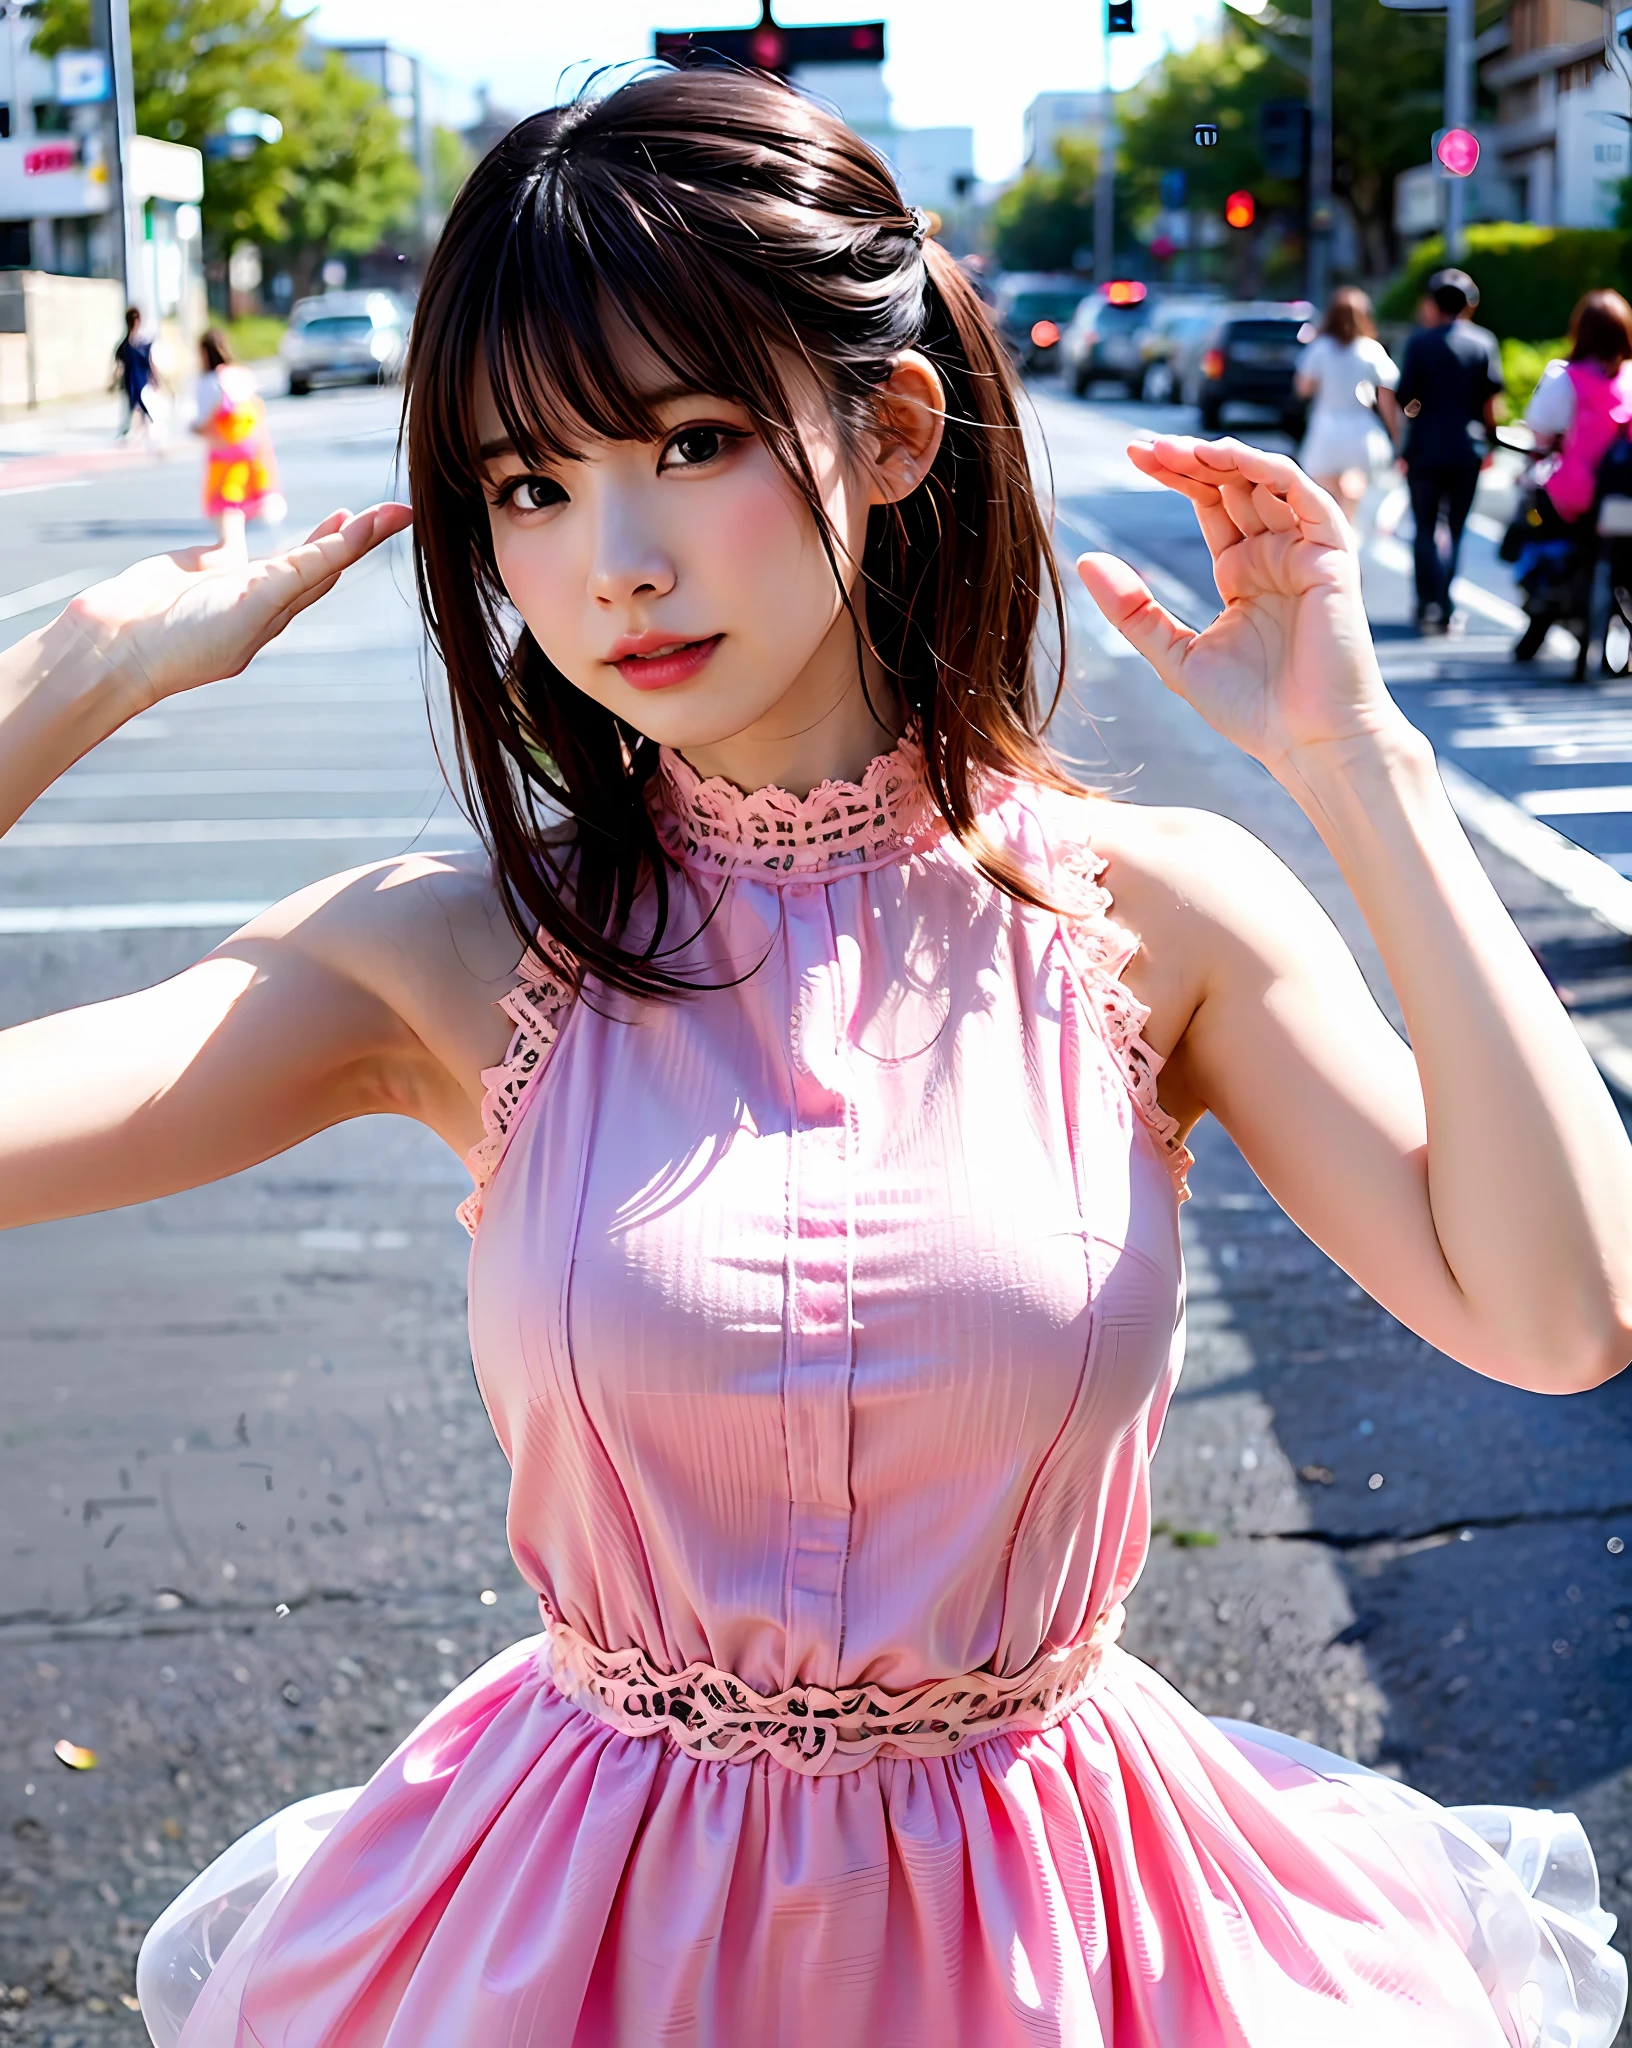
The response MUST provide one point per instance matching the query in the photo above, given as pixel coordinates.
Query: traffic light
(1283, 134)
(1206, 135)
(1239, 210)
(1119, 17)
(1456, 151)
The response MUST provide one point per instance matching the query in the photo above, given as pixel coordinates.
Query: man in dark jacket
(1448, 385)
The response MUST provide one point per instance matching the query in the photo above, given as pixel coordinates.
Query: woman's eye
(534, 494)
(693, 445)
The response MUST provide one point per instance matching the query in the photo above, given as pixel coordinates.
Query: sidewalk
(59, 443)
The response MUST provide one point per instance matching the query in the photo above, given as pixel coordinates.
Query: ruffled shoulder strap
(1101, 950)
(537, 1006)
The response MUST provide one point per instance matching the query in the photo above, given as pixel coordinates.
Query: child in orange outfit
(240, 479)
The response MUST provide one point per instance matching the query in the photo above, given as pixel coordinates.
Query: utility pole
(110, 33)
(1320, 151)
(1458, 114)
(1105, 182)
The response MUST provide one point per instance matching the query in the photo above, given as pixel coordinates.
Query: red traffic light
(1457, 151)
(1239, 210)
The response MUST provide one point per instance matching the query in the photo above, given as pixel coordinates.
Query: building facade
(1561, 131)
(55, 216)
(1054, 115)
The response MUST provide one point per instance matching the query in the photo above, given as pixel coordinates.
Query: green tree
(1046, 216)
(348, 179)
(1388, 79)
(340, 176)
(452, 161)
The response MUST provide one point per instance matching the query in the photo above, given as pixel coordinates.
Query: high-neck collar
(840, 824)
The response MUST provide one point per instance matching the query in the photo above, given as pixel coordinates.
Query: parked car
(1170, 346)
(1033, 310)
(1103, 338)
(344, 338)
(1251, 359)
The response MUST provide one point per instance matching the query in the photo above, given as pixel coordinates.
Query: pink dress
(828, 1320)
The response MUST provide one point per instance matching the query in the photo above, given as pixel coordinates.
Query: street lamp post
(110, 33)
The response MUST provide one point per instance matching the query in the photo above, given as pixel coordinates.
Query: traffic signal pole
(1458, 114)
(110, 33)
(1105, 181)
(1320, 150)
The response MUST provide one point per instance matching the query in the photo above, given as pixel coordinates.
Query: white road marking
(1389, 553)
(230, 831)
(35, 597)
(37, 920)
(1581, 876)
(91, 785)
(1604, 798)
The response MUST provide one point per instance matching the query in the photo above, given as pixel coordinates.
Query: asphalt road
(258, 1397)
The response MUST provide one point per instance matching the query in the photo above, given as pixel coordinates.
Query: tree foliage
(339, 178)
(1388, 79)
(1046, 217)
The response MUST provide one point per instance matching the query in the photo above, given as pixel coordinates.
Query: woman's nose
(628, 563)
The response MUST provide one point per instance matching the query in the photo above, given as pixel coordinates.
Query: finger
(1122, 596)
(1274, 511)
(332, 524)
(1316, 512)
(1218, 529)
(1238, 503)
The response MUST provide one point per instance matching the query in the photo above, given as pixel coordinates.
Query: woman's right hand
(175, 621)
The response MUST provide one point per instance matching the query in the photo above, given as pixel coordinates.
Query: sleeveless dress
(240, 474)
(828, 1319)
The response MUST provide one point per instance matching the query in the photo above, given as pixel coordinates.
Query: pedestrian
(1580, 409)
(240, 474)
(827, 1138)
(1583, 402)
(1448, 386)
(1349, 378)
(135, 376)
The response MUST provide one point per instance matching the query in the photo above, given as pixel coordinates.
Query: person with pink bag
(1583, 403)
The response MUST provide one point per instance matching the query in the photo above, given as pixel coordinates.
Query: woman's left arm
(1479, 1182)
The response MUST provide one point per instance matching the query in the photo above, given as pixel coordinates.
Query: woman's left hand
(1288, 664)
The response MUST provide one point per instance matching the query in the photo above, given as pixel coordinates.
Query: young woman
(1583, 401)
(828, 1136)
(1349, 379)
(240, 476)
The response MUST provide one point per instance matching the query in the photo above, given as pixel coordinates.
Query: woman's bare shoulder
(426, 933)
(1197, 891)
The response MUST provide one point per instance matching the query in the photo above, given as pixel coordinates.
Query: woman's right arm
(331, 1005)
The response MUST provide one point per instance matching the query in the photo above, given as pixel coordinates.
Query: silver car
(344, 338)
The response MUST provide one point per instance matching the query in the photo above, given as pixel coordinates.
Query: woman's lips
(673, 665)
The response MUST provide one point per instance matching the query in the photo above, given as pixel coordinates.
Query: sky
(951, 63)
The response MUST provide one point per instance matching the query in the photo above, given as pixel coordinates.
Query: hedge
(1529, 277)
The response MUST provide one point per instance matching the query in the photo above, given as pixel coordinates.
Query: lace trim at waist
(717, 1718)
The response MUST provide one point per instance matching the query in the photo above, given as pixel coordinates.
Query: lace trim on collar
(840, 824)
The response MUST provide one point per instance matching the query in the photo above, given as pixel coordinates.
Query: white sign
(82, 77)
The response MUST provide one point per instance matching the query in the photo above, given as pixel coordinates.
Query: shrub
(1522, 365)
(1529, 277)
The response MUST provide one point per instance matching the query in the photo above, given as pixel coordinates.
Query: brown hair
(1348, 316)
(1601, 329)
(215, 348)
(736, 229)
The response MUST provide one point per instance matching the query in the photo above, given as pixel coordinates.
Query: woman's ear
(911, 419)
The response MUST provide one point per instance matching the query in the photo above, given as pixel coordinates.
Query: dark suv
(1251, 360)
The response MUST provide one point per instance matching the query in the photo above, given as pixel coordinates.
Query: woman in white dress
(1350, 378)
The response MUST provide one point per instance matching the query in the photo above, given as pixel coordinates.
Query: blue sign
(1173, 188)
(82, 77)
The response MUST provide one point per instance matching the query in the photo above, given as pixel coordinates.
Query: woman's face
(681, 581)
